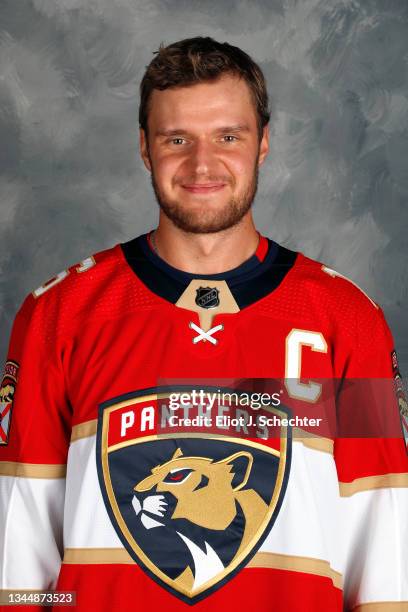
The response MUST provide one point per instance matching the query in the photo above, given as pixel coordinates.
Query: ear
(177, 453)
(144, 149)
(240, 465)
(264, 145)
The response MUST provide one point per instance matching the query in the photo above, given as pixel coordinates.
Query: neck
(206, 253)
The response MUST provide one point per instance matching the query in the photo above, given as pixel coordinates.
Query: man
(127, 477)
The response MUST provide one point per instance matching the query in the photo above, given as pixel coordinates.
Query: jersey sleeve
(372, 465)
(34, 438)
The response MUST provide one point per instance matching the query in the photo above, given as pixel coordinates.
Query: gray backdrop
(336, 182)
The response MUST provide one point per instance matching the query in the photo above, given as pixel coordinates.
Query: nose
(146, 484)
(202, 158)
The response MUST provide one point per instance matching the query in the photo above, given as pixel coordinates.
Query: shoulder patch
(401, 396)
(82, 266)
(7, 392)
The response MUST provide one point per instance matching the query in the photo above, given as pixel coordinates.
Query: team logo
(401, 396)
(394, 361)
(7, 391)
(191, 510)
(207, 297)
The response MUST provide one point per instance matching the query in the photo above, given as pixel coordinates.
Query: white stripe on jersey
(28, 506)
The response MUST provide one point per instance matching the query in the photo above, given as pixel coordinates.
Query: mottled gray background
(336, 182)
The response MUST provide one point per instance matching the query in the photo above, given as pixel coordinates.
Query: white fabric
(86, 522)
(364, 536)
(375, 528)
(31, 546)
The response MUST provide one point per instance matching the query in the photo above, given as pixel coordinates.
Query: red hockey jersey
(161, 446)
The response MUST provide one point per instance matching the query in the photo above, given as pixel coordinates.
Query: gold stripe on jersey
(268, 560)
(368, 483)
(382, 606)
(32, 470)
(307, 565)
(312, 441)
(97, 555)
(84, 430)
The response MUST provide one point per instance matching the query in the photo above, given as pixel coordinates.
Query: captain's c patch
(7, 391)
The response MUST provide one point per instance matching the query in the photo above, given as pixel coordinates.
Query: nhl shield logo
(207, 297)
(190, 509)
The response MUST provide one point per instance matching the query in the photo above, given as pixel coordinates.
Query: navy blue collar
(248, 282)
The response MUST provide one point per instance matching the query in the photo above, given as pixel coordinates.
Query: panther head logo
(208, 496)
(191, 509)
(6, 394)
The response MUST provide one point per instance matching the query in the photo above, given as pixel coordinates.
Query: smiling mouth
(204, 188)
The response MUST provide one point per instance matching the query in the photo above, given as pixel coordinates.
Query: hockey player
(105, 497)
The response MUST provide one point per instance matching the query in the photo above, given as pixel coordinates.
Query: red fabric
(101, 333)
(256, 588)
(262, 248)
(129, 589)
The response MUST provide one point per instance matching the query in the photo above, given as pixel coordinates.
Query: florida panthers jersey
(171, 440)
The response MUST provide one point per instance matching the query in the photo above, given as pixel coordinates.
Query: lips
(203, 187)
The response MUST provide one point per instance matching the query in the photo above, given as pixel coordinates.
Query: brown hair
(201, 59)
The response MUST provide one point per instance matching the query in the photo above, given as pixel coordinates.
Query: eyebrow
(239, 127)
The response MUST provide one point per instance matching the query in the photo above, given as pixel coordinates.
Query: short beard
(190, 222)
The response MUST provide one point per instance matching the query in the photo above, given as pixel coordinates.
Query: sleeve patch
(7, 392)
(401, 396)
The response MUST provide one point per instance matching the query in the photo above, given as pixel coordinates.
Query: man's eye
(229, 138)
(177, 141)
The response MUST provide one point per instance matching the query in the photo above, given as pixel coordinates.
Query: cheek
(165, 169)
(241, 163)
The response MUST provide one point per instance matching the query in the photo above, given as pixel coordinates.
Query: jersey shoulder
(325, 283)
(101, 285)
(326, 297)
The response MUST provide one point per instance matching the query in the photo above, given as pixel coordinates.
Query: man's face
(203, 152)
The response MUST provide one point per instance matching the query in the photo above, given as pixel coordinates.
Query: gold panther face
(196, 482)
(7, 393)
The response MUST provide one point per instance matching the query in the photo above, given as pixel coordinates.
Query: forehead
(225, 101)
